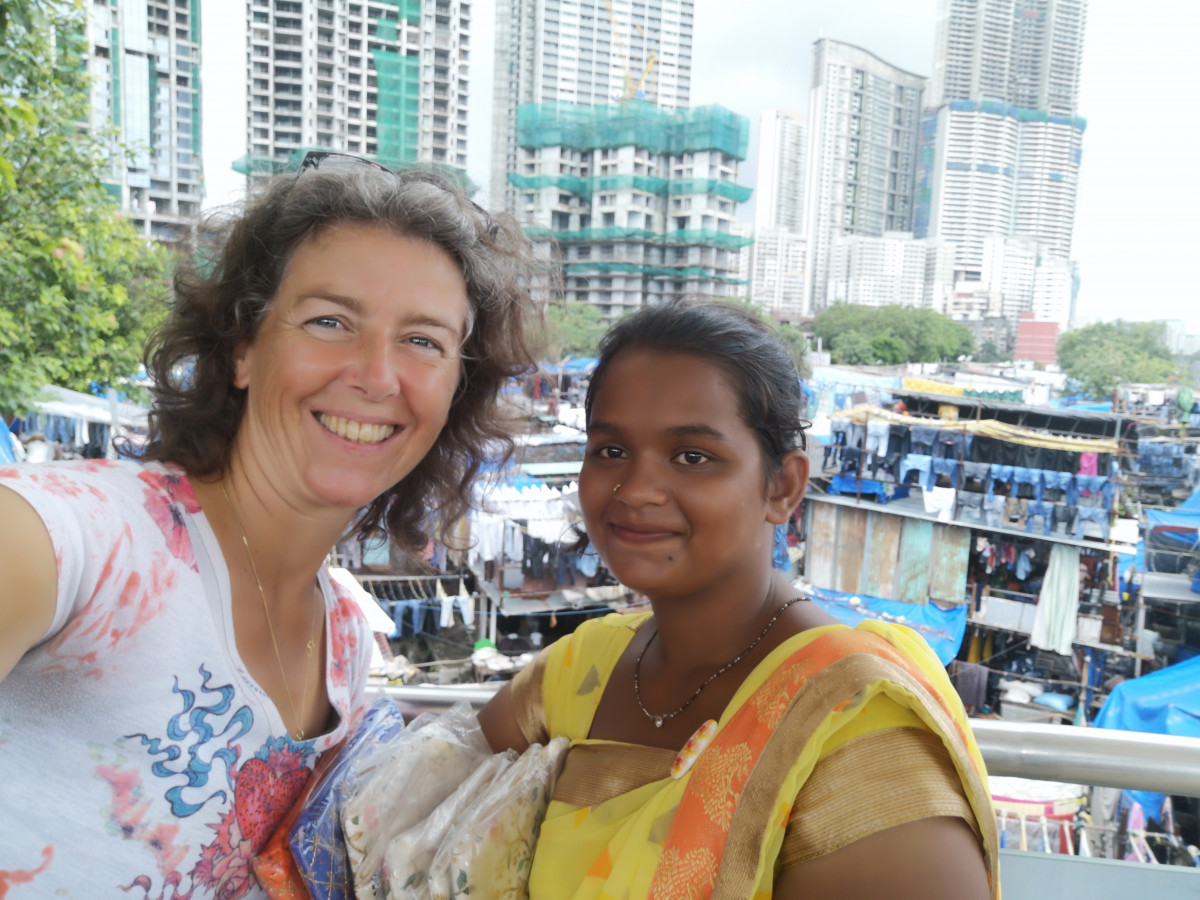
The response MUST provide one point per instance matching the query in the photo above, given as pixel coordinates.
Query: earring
(617, 487)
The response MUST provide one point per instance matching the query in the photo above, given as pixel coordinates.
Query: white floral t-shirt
(138, 758)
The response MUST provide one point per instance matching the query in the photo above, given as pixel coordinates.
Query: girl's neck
(710, 630)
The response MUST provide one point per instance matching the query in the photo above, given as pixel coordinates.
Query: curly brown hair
(222, 297)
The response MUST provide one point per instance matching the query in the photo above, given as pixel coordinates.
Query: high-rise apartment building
(777, 258)
(1027, 53)
(892, 269)
(641, 202)
(779, 183)
(777, 263)
(1002, 138)
(863, 122)
(583, 52)
(387, 80)
(144, 59)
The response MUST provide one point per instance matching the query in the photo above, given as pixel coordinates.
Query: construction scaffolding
(584, 188)
(632, 123)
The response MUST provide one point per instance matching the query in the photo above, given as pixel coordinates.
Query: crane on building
(633, 87)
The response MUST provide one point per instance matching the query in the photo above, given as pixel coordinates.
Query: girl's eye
(609, 452)
(691, 457)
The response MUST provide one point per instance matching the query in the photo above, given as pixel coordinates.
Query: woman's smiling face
(673, 488)
(352, 372)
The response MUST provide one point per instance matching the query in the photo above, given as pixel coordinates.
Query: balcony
(1089, 756)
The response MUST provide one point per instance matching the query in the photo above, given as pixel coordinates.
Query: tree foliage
(78, 285)
(1097, 356)
(864, 335)
(573, 329)
(793, 338)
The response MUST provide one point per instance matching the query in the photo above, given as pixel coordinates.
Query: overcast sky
(1137, 227)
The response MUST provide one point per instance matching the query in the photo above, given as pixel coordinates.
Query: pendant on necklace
(658, 720)
(311, 644)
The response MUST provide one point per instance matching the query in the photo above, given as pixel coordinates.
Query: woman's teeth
(359, 432)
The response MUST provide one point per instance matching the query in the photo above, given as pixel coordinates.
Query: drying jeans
(1032, 478)
(917, 462)
(877, 437)
(947, 467)
(1098, 488)
(1065, 514)
(1091, 514)
(970, 505)
(1043, 509)
(998, 475)
(923, 439)
(993, 510)
(1063, 483)
(975, 476)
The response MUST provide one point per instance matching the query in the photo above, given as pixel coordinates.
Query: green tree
(1097, 356)
(795, 339)
(925, 335)
(573, 329)
(988, 352)
(852, 348)
(79, 287)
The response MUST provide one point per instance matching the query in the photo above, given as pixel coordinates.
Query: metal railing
(1067, 753)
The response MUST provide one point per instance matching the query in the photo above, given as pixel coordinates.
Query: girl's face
(674, 490)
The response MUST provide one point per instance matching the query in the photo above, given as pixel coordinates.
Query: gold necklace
(299, 734)
(658, 719)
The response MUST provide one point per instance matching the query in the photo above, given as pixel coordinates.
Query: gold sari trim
(527, 700)
(825, 691)
(596, 773)
(871, 783)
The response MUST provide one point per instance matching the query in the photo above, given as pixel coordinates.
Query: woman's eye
(692, 457)
(325, 322)
(609, 452)
(428, 344)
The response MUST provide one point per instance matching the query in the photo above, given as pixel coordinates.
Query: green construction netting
(398, 115)
(632, 122)
(408, 9)
(694, 237)
(650, 271)
(584, 188)
(386, 30)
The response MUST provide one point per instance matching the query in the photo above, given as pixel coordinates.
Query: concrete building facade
(386, 80)
(779, 179)
(1002, 135)
(892, 269)
(144, 59)
(640, 202)
(583, 52)
(863, 120)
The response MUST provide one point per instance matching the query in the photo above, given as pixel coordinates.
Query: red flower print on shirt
(166, 501)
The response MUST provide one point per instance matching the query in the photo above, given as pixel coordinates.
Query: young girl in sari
(736, 742)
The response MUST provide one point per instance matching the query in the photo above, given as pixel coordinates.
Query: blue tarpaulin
(942, 629)
(1163, 702)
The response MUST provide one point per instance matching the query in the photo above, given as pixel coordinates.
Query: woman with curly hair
(174, 655)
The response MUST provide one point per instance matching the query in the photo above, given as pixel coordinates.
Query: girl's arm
(30, 575)
(937, 858)
(499, 722)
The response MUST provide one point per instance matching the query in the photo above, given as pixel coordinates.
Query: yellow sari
(621, 826)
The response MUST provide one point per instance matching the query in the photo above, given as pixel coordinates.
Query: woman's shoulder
(599, 636)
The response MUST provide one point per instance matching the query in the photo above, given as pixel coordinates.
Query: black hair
(759, 367)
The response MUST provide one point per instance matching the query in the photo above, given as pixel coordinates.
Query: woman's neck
(709, 630)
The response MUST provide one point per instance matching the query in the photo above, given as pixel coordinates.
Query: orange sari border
(721, 792)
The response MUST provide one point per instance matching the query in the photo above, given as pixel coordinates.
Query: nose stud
(617, 487)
